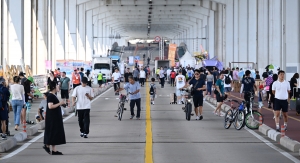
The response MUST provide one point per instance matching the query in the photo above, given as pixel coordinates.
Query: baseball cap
(84, 80)
(21, 74)
(261, 87)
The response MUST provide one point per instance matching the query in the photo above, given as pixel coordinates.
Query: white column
(235, 31)
(72, 30)
(59, 30)
(211, 34)
(219, 32)
(204, 34)
(5, 30)
(252, 31)
(81, 54)
(100, 36)
(27, 32)
(89, 35)
(33, 11)
(243, 30)
(41, 36)
(229, 32)
(262, 34)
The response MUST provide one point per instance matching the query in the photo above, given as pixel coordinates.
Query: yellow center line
(269, 109)
(148, 146)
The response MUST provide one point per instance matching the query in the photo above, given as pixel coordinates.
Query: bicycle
(252, 116)
(235, 115)
(121, 106)
(187, 104)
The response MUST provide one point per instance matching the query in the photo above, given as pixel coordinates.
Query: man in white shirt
(83, 94)
(168, 74)
(180, 83)
(281, 89)
(116, 76)
(162, 77)
(142, 76)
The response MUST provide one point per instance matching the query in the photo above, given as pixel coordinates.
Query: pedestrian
(18, 100)
(180, 83)
(100, 78)
(136, 74)
(28, 93)
(4, 93)
(294, 85)
(54, 128)
(84, 95)
(227, 83)
(51, 78)
(142, 76)
(42, 108)
(81, 73)
(210, 81)
(152, 91)
(89, 76)
(162, 77)
(260, 97)
(249, 88)
(64, 87)
(76, 78)
(173, 76)
(272, 95)
(281, 89)
(135, 97)
(198, 87)
(220, 95)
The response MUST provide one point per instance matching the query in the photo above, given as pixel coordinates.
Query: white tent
(187, 60)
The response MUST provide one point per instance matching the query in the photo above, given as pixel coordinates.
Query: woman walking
(54, 127)
(210, 81)
(18, 100)
(88, 75)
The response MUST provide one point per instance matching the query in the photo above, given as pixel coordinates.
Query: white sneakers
(197, 118)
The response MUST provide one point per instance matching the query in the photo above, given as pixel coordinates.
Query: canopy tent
(213, 63)
(187, 60)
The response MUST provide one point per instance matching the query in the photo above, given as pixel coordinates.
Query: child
(260, 96)
(40, 116)
(152, 90)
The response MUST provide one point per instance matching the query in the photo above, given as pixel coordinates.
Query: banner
(171, 56)
(131, 61)
(48, 65)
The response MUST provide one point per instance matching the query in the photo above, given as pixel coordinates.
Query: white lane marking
(286, 154)
(24, 146)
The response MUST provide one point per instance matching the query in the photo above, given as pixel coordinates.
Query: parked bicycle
(236, 116)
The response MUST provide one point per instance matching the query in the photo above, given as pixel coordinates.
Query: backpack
(227, 79)
(151, 92)
(173, 74)
(3, 97)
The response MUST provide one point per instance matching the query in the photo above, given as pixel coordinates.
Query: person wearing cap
(22, 77)
(18, 100)
(4, 108)
(76, 78)
(84, 94)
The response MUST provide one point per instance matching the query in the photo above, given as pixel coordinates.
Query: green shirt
(220, 83)
(64, 83)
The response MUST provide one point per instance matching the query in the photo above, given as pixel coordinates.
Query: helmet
(30, 79)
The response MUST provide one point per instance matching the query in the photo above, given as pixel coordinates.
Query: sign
(172, 51)
(137, 57)
(131, 60)
(157, 39)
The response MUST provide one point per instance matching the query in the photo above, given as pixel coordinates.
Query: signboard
(131, 60)
(171, 56)
(137, 57)
(157, 39)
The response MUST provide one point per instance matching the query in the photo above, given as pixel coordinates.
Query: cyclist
(249, 85)
(135, 96)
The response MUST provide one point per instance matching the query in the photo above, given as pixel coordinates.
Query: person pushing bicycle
(249, 87)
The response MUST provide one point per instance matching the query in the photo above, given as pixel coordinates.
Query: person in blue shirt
(133, 88)
(198, 87)
(249, 85)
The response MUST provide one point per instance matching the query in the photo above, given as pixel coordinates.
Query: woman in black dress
(51, 78)
(294, 84)
(54, 128)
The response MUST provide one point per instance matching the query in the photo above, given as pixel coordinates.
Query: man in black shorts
(65, 87)
(198, 87)
(249, 86)
(281, 89)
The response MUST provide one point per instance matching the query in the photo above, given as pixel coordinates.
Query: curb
(21, 136)
(41, 125)
(8, 144)
(32, 130)
(290, 144)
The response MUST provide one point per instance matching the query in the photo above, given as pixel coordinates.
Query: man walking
(281, 89)
(249, 85)
(65, 87)
(136, 74)
(162, 77)
(84, 95)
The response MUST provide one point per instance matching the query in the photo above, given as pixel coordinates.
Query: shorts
(227, 89)
(4, 114)
(64, 94)
(219, 98)
(260, 104)
(281, 105)
(178, 92)
(152, 96)
(198, 100)
(100, 82)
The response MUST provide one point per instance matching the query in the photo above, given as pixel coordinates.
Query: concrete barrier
(32, 130)
(226, 108)
(214, 102)
(21, 136)
(41, 125)
(274, 135)
(8, 144)
(264, 129)
(290, 144)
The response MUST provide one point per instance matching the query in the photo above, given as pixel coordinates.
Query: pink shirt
(235, 75)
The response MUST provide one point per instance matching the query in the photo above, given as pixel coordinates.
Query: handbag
(193, 90)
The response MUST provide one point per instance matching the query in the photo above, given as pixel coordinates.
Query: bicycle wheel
(239, 121)
(228, 119)
(252, 121)
(189, 111)
(121, 109)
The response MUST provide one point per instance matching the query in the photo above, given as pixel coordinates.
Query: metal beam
(145, 21)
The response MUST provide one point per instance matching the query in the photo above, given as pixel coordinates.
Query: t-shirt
(227, 85)
(220, 83)
(64, 83)
(293, 82)
(235, 75)
(281, 89)
(197, 84)
(180, 81)
(203, 76)
(135, 73)
(126, 75)
(142, 74)
(190, 73)
(210, 78)
(23, 80)
(17, 91)
(248, 84)
(154, 87)
(116, 76)
(27, 90)
(132, 88)
(173, 74)
(83, 102)
(161, 74)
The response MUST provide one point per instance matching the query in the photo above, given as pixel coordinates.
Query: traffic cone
(260, 120)
(282, 131)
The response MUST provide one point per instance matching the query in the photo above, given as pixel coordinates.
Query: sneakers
(277, 129)
(152, 102)
(132, 116)
(56, 153)
(201, 117)
(4, 137)
(81, 135)
(197, 118)
(85, 136)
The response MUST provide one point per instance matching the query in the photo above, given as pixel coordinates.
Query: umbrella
(241, 73)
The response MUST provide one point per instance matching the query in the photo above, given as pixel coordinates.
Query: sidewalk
(293, 131)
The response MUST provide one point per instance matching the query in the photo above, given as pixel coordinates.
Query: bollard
(282, 131)
(24, 126)
(260, 120)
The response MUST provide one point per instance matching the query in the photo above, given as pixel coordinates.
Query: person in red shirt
(173, 76)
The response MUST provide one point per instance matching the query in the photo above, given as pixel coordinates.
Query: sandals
(56, 153)
(47, 149)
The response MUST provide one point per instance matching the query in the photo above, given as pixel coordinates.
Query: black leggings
(116, 85)
(142, 81)
(172, 81)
